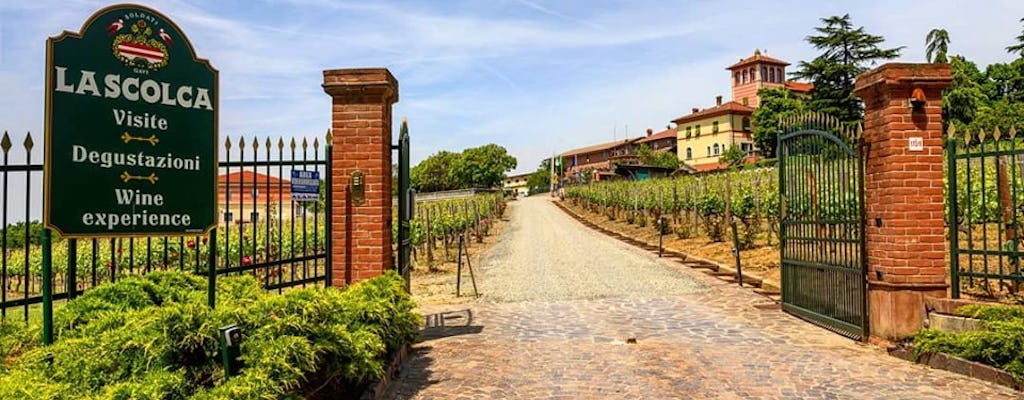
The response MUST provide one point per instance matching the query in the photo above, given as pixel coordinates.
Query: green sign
(131, 129)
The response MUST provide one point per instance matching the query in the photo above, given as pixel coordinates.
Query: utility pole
(551, 163)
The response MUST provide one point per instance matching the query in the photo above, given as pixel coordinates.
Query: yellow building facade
(703, 135)
(516, 184)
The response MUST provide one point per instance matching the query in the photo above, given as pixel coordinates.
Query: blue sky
(534, 76)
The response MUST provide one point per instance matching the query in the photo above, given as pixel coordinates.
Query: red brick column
(905, 237)
(361, 128)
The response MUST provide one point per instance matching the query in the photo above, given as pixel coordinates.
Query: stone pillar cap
(904, 74)
(353, 81)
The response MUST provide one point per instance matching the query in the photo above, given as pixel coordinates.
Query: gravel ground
(544, 254)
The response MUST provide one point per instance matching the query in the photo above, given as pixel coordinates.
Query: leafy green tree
(655, 159)
(775, 103)
(1019, 47)
(846, 52)
(1005, 81)
(937, 43)
(733, 156)
(483, 166)
(960, 101)
(432, 174)
(540, 180)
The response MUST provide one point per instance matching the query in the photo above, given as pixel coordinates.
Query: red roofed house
(244, 195)
(597, 162)
(665, 140)
(705, 134)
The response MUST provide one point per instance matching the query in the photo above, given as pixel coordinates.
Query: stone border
(377, 389)
(960, 366)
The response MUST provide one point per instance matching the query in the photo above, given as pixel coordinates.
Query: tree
(937, 45)
(846, 53)
(1019, 47)
(775, 103)
(540, 180)
(733, 156)
(960, 101)
(483, 166)
(431, 174)
(655, 159)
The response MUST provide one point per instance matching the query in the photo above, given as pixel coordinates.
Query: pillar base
(897, 310)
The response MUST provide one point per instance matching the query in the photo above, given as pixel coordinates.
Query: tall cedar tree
(937, 45)
(846, 53)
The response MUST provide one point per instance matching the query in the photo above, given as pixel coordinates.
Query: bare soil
(435, 284)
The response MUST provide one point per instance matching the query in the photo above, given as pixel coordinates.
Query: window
(764, 72)
(746, 147)
(709, 151)
(689, 131)
(781, 74)
(696, 130)
(771, 75)
(716, 149)
(745, 101)
(689, 153)
(737, 79)
(744, 76)
(714, 127)
(746, 122)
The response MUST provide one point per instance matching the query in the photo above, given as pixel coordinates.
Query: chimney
(718, 100)
(695, 109)
(649, 131)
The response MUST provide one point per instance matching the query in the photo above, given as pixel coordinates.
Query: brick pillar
(905, 237)
(361, 126)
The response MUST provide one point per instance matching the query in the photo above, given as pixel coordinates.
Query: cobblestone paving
(710, 343)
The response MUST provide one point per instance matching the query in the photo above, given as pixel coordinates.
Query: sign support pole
(47, 289)
(211, 291)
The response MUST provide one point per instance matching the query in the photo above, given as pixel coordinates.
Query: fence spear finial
(241, 142)
(330, 137)
(1013, 132)
(316, 144)
(305, 144)
(5, 143)
(28, 141)
(997, 134)
(227, 143)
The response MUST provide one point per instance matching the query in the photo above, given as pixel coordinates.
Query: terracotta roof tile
(801, 87)
(758, 57)
(667, 133)
(731, 107)
(248, 177)
(599, 147)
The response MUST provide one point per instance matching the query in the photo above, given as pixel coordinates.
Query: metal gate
(406, 205)
(821, 193)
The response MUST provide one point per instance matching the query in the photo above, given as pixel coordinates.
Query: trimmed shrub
(153, 337)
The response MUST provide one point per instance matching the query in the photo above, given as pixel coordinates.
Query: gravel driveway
(544, 254)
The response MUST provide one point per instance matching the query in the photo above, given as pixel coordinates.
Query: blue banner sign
(305, 185)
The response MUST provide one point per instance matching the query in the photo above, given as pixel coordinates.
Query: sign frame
(48, 207)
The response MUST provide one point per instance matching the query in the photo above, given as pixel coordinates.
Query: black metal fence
(263, 231)
(985, 210)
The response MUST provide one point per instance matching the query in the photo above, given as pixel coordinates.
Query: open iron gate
(821, 193)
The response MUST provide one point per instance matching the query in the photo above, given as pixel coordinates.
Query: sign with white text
(131, 129)
(305, 185)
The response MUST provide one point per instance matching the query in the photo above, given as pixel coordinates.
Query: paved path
(554, 323)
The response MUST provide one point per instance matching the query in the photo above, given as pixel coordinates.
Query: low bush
(152, 337)
(1000, 344)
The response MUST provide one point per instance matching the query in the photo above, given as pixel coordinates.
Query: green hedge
(152, 337)
(1000, 344)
